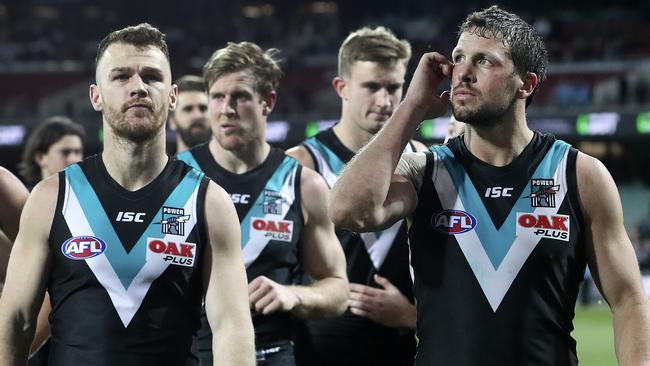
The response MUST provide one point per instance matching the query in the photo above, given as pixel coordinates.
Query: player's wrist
(296, 301)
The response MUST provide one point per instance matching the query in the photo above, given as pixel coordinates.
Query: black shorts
(275, 354)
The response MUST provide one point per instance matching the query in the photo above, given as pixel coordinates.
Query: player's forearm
(360, 192)
(632, 334)
(42, 325)
(233, 344)
(324, 298)
(14, 345)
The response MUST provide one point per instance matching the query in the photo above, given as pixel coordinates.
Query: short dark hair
(241, 56)
(188, 83)
(526, 46)
(49, 132)
(141, 36)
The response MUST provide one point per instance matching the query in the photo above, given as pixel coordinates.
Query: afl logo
(83, 247)
(453, 222)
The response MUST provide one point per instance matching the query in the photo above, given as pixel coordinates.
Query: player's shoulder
(312, 184)
(216, 193)
(42, 201)
(301, 154)
(418, 146)
(48, 187)
(9, 183)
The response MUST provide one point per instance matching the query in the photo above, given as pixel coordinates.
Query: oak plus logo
(273, 229)
(178, 253)
(546, 226)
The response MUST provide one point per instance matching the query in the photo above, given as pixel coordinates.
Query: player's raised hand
(432, 70)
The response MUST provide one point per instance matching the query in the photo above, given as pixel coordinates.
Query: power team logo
(173, 221)
(281, 230)
(83, 247)
(272, 204)
(547, 226)
(542, 192)
(453, 222)
(182, 254)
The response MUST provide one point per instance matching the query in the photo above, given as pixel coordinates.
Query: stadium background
(597, 95)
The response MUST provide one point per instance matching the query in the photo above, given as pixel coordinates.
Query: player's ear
(340, 86)
(173, 97)
(528, 84)
(269, 102)
(95, 97)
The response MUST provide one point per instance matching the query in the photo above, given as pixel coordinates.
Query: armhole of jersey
(428, 169)
(412, 145)
(317, 166)
(61, 199)
(572, 181)
(200, 212)
(298, 200)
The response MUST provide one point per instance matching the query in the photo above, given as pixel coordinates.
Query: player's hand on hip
(267, 296)
(386, 306)
(432, 70)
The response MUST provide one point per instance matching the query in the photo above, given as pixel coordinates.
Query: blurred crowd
(598, 53)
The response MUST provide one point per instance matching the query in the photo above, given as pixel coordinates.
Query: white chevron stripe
(494, 282)
(324, 169)
(378, 248)
(126, 301)
(257, 241)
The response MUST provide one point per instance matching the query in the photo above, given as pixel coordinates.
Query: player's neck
(351, 135)
(241, 160)
(134, 165)
(500, 144)
(180, 145)
(46, 173)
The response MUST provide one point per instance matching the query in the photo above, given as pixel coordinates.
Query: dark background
(597, 95)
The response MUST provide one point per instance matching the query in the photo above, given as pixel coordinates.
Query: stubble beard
(191, 139)
(137, 132)
(485, 115)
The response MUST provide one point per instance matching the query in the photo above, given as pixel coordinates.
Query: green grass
(595, 336)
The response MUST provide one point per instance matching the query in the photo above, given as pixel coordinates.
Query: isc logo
(182, 254)
(546, 226)
(273, 229)
(83, 247)
(126, 216)
(496, 192)
(453, 222)
(240, 198)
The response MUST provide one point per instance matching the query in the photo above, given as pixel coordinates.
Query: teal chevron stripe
(126, 265)
(497, 242)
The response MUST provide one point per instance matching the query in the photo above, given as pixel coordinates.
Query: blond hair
(377, 45)
(245, 56)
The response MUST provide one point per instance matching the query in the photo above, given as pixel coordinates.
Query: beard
(136, 125)
(486, 114)
(190, 138)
